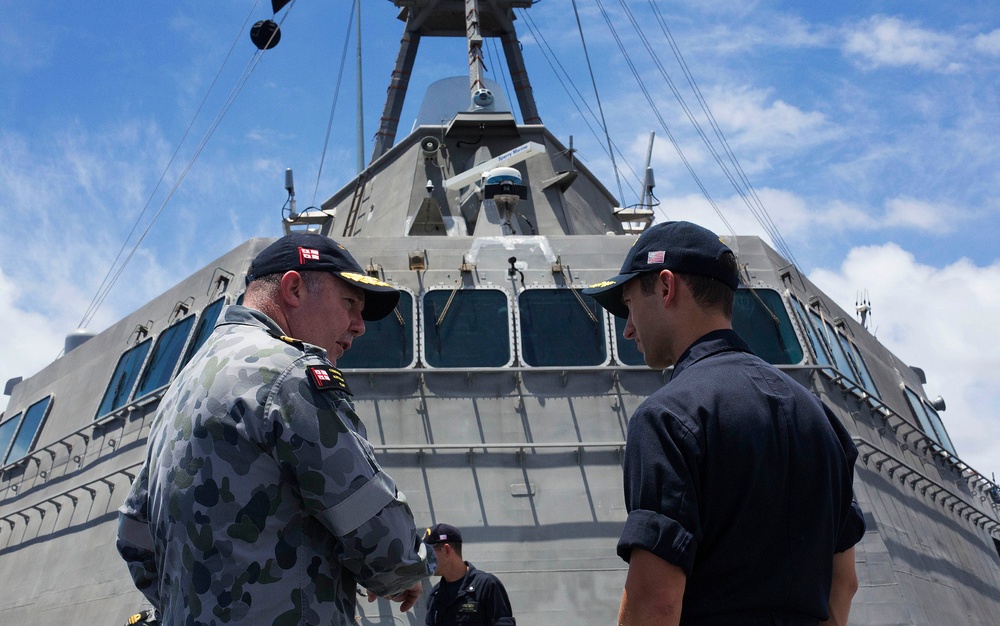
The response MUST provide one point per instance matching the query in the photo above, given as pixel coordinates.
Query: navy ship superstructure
(497, 395)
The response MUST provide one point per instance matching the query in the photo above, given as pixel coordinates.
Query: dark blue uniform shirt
(741, 477)
(481, 599)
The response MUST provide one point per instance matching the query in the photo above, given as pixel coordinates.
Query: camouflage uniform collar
(246, 316)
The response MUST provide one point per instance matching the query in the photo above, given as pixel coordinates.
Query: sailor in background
(465, 595)
(260, 500)
(738, 480)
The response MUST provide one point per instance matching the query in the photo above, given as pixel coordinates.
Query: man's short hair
(708, 292)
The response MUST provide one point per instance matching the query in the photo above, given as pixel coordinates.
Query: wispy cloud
(988, 43)
(919, 214)
(887, 41)
(26, 42)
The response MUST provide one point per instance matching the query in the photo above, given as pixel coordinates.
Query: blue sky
(867, 129)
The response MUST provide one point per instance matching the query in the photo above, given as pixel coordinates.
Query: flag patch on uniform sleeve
(327, 379)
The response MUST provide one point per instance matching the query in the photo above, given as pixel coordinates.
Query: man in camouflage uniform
(260, 500)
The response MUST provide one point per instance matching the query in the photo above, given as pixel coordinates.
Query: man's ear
(666, 286)
(292, 289)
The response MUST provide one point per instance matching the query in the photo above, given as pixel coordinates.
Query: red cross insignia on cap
(327, 379)
(308, 254)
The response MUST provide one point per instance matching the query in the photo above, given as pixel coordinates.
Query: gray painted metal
(525, 460)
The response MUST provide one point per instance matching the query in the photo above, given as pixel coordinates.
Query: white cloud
(754, 119)
(988, 43)
(883, 41)
(31, 340)
(67, 200)
(918, 214)
(942, 320)
(798, 217)
(758, 128)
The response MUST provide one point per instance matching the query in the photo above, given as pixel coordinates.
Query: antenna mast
(361, 106)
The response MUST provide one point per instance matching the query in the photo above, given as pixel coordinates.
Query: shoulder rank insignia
(291, 340)
(327, 379)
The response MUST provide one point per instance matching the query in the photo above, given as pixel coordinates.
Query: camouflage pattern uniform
(260, 500)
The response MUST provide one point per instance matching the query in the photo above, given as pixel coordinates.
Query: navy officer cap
(681, 247)
(312, 252)
(442, 533)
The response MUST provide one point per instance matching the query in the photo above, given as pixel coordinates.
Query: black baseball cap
(442, 533)
(312, 252)
(682, 247)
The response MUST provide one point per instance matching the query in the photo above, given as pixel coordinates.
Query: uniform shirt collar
(236, 314)
(723, 340)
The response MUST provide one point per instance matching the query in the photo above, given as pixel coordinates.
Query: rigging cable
(656, 112)
(604, 124)
(491, 50)
(764, 218)
(95, 303)
(230, 99)
(333, 107)
(553, 61)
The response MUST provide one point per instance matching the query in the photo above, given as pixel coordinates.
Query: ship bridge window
(929, 420)
(27, 433)
(204, 328)
(858, 363)
(7, 431)
(560, 327)
(387, 343)
(123, 380)
(466, 328)
(836, 349)
(165, 355)
(759, 316)
(845, 364)
(942, 434)
(818, 344)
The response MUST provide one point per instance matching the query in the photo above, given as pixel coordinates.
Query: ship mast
(455, 18)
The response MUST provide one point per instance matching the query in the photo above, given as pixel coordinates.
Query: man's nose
(357, 325)
(629, 332)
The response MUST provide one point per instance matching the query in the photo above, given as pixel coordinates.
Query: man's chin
(333, 355)
(337, 352)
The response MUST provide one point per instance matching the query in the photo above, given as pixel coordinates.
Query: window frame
(857, 362)
(148, 341)
(789, 315)
(5, 459)
(191, 348)
(422, 314)
(16, 421)
(601, 320)
(821, 352)
(927, 419)
(137, 393)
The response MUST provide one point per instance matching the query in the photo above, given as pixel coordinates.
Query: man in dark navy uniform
(738, 480)
(465, 595)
